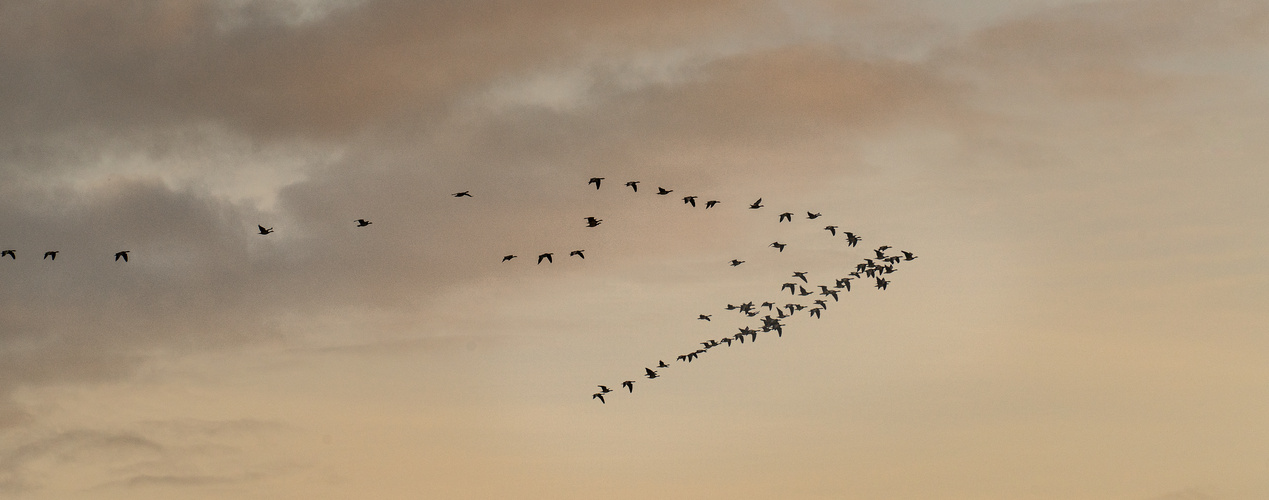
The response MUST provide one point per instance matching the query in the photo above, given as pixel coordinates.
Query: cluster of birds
(52, 254)
(876, 268)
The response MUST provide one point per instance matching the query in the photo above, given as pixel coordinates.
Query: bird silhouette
(881, 283)
(661, 364)
(704, 317)
(362, 222)
(800, 274)
(599, 396)
(264, 230)
(51, 255)
(663, 191)
(690, 200)
(778, 246)
(793, 288)
(908, 255)
(595, 181)
(592, 222)
(786, 216)
(11, 253)
(711, 203)
(756, 205)
(604, 389)
(816, 312)
(831, 230)
(851, 239)
(881, 254)
(633, 185)
(629, 384)
(123, 254)
(577, 253)
(735, 262)
(810, 215)
(462, 194)
(508, 257)
(546, 256)
(649, 373)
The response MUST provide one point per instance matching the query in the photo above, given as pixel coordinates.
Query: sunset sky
(1085, 183)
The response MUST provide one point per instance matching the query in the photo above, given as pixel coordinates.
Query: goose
(735, 262)
(264, 230)
(362, 222)
(599, 396)
(800, 274)
(689, 200)
(704, 317)
(51, 255)
(810, 215)
(508, 257)
(756, 205)
(629, 384)
(546, 256)
(778, 246)
(123, 254)
(786, 216)
(592, 222)
(577, 253)
(663, 191)
(711, 203)
(649, 373)
(633, 185)
(851, 239)
(462, 194)
(661, 364)
(908, 255)
(595, 181)
(11, 253)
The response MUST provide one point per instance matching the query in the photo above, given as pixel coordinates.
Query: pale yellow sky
(1083, 182)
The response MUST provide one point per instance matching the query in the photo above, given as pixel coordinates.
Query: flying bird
(711, 203)
(907, 255)
(11, 253)
(793, 288)
(362, 222)
(577, 253)
(704, 317)
(756, 205)
(629, 384)
(735, 262)
(604, 389)
(508, 257)
(592, 222)
(881, 283)
(649, 373)
(816, 312)
(663, 191)
(801, 274)
(599, 396)
(786, 215)
(595, 181)
(661, 364)
(633, 185)
(778, 246)
(51, 255)
(831, 230)
(851, 239)
(546, 256)
(690, 200)
(462, 194)
(264, 230)
(123, 254)
(810, 215)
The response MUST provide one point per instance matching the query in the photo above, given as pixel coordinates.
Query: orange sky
(1083, 182)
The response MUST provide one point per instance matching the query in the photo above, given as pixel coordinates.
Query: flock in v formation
(875, 268)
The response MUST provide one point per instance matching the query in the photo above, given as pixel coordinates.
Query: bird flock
(763, 316)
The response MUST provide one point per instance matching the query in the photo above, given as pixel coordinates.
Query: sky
(1082, 182)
